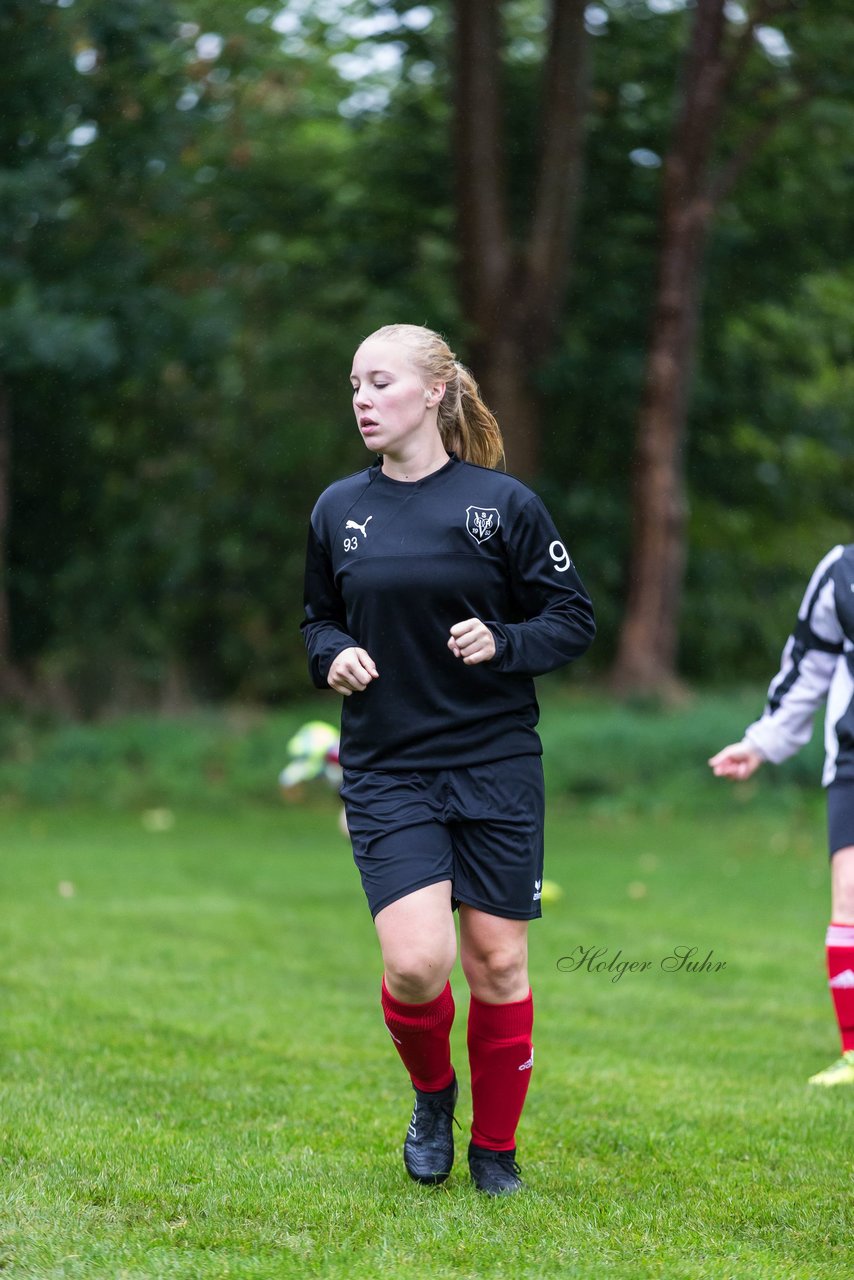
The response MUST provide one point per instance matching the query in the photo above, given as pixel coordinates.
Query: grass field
(196, 1081)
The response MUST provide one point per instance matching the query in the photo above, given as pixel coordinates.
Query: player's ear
(435, 394)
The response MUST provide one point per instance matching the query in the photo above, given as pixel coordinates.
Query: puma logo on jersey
(363, 528)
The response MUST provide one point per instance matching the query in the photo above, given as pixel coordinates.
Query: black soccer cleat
(496, 1173)
(428, 1151)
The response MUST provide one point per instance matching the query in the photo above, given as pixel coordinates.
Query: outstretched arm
(738, 761)
(806, 670)
(799, 687)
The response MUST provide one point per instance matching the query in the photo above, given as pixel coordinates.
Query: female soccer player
(436, 589)
(818, 665)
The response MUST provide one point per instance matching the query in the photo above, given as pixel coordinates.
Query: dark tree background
(631, 218)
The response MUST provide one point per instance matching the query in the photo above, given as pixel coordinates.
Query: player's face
(389, 397)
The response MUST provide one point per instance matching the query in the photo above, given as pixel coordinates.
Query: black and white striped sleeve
(806, 670)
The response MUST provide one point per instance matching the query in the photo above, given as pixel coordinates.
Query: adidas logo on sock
(843, 979)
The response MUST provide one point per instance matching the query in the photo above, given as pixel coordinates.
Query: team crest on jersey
(482, 522)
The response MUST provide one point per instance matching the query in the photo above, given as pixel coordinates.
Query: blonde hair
(467, 427)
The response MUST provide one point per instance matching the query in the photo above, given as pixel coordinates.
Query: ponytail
(467, 427)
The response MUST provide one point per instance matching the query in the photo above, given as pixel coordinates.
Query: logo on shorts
(538, 890)
(527, 1066)
(482, 522)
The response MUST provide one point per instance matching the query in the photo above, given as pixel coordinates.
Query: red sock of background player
(421, 1033)
(501, 1056)
(840, 972)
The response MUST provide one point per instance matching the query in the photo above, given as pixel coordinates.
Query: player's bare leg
(494, 954)
(419, 946)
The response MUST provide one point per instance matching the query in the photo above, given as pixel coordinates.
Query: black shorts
(481, 827)
(840, 815)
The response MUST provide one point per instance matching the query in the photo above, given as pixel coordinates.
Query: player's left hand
(739, 760)
(472, 641)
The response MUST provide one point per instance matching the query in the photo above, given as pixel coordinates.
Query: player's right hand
(739, 761)
(351, 671)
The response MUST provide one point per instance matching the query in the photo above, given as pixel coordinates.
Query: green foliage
(615, 759)
(207, 760)
(203, 207)
(784, 469)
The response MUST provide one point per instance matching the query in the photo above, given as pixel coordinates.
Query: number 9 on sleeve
(560, 556)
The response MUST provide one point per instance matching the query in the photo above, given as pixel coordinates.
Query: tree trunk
(479, 152)
(498, 359)
(512, 293)
(548, 252)
(646, 657)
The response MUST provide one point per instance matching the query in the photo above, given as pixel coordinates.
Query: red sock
(422, 1033)
(501, 1057)
(840, 971)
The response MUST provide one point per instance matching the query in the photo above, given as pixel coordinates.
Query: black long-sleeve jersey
(393, 565)
(817, 667)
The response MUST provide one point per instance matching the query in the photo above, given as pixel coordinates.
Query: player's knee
(498, 973)
(843, 904)
(417, 977)
(842, 880)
